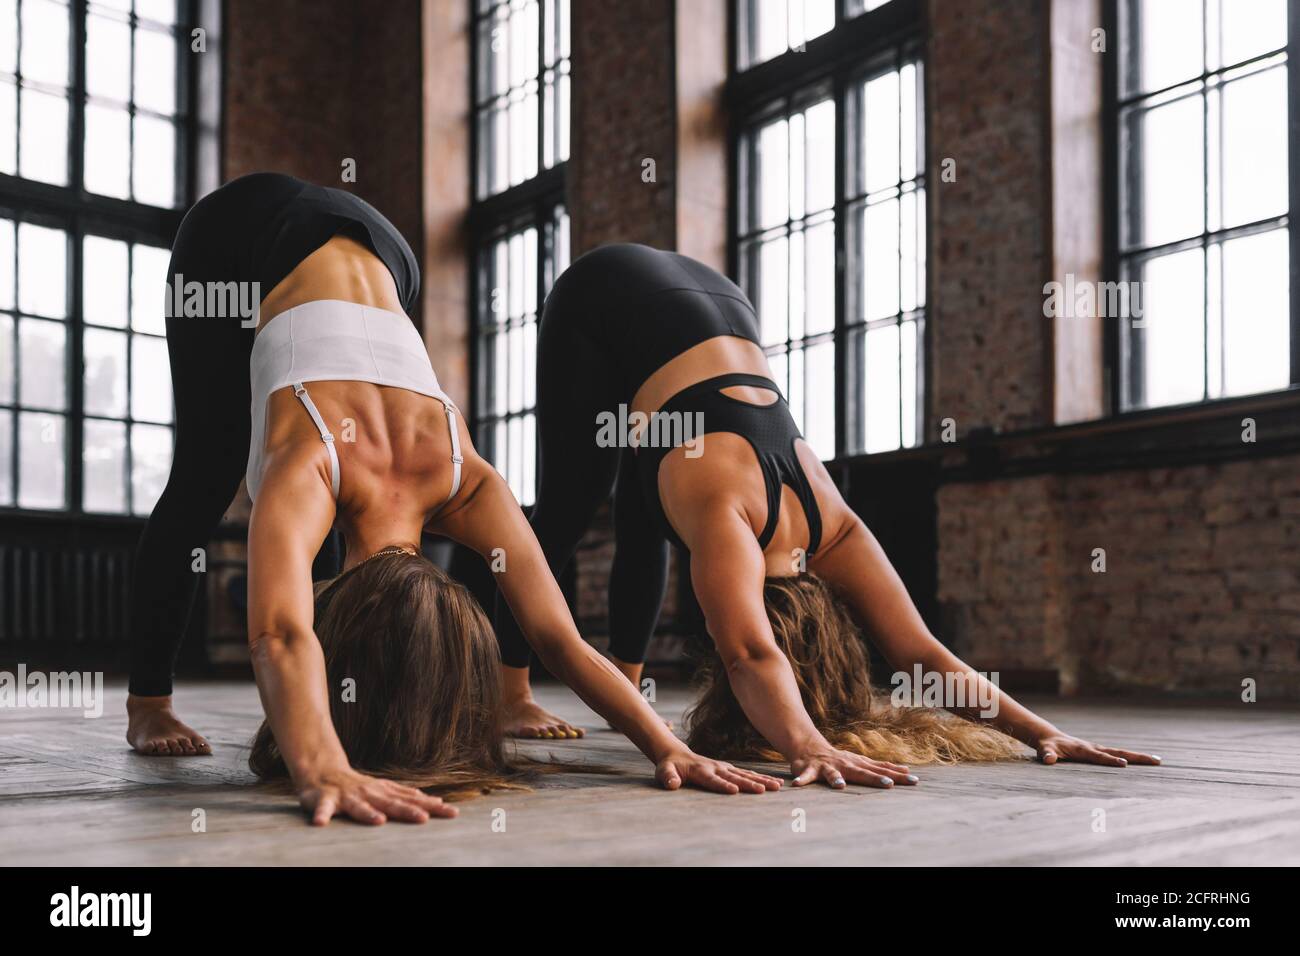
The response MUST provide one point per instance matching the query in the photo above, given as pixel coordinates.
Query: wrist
(808, 746)
(308, 771)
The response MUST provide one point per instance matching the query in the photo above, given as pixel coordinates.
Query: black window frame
(78, 212)
(537, 203)
(1123, 358)
(859, 45)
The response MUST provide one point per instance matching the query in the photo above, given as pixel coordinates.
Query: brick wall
(1202, 581)
(1201, 587)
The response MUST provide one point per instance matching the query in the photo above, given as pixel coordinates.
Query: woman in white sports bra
(387, 678)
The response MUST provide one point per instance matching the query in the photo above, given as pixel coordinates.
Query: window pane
(108, 58)
(1170, 43)
(104, 274)
(151, 383)
(1256, 314)
(41, 442)
(880, 132)
(6, 264)
(1251, 27)
(6, 362)
(43, 146)
(819, 297)
(8, 128)
(772, 174)
(159, 11)
(151, 461)
(527, 492)
(103, 460)
(819, 405)
(45, 42)
(104, 360)
(773, 298)
(1254, 148)
(6, 458)
(8, 36)
(1172, 336)
(42, 351)
(149, 288)
(881, 377)
(910, 387)
(108, 151)
(155, 71)
(880, 259)
(154, 161)
(1172, 171)
(819, 156)
(42, 270)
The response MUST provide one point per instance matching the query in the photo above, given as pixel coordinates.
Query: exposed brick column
(446, 132)
(624, 112)
(988, 111)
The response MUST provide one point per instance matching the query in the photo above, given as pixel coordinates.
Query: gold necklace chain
(393, 549)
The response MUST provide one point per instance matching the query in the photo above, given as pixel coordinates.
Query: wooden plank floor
(72, 793)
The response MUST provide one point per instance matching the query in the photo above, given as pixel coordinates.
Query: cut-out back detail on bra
(770, 431)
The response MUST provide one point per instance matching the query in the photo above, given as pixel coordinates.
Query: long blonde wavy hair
(831, 664)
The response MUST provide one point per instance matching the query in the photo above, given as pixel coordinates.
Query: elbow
(747, 657)
(266, 647)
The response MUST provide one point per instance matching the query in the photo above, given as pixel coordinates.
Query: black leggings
(615, 317)
(210, 381)
(575, 382)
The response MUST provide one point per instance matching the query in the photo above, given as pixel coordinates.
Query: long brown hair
(830, 661)
(425, 704)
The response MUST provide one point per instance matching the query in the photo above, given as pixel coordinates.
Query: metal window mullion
(18, 136)
(128, 457)
(74, 451)
(133, 23)
(840, 149)
(1205, 205)
(1293, 184)
(541, 85)
(18, 384)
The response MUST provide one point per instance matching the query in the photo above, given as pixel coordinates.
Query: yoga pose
(393, 669)
(629, 332)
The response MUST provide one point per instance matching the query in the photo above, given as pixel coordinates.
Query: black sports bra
(770, 431)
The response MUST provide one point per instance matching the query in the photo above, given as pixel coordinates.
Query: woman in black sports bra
(784, 571)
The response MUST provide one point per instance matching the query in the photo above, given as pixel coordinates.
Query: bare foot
(154, 729)
(525, 718)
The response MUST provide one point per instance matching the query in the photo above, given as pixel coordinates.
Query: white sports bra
(333, 341)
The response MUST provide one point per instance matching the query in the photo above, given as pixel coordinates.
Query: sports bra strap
(325, 434)
(456, 458)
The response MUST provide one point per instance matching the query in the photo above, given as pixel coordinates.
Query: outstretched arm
(727, 572)
(290, 519)
(490, 519)
(856, 566)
